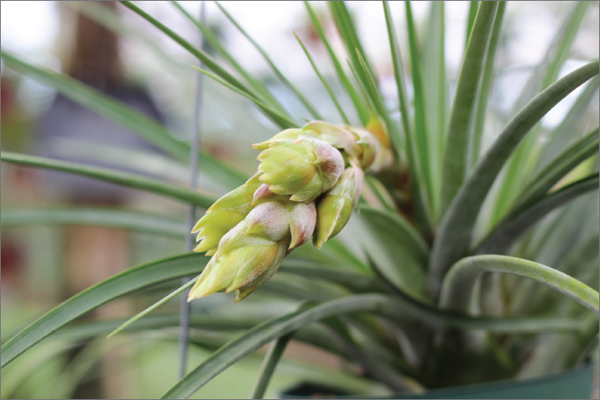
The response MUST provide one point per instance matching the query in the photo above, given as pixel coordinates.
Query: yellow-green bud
(302, 169)
(242, 264)
(335, 207)
(337, 136)
(223, 215)
(288, 135)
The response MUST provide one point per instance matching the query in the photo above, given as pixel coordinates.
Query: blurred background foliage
(150, 72)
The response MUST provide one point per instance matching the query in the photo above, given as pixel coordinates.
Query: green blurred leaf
(113, 218)
(358, 105)
(506, 233)
(126, 282)
(555, 170)
(324, 82)
(455, 232)
(522, 163)
(212, 64)
(473, 6)
(120, 178)
(125, 116)
(309, 106)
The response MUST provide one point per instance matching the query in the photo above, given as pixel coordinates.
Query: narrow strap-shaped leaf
(154, 306)
(268, 367)
(108, 175)
(274, 115)
(129, 281)
(458, 285)
(505, 234)
(217, 44)
(116, 111)
(409, 137)
(346, 84)
(324, 82)
(309, 106)
(114, 218)
(473, 6)
(436, 96)
(147, 128)
(421, 131)
(208, 61)
(455, 232)
(262, 334)
(562, 164)
(347, 30)
(485, 88)
(464, 105)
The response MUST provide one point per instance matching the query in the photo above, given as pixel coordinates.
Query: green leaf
(129, 281)
(409, 138)
(421, 131)
(525, 158)
(217, 44)
(263, 333)
(455, 232)
(473, 6)
(436, 96)
(563, 133)
(274, 115)
(125, 116)
(274, 68)
(210, 63)
(324, 82)
(347, 30)
(396, 247)
(546, 178)
(485, 88)
(153, 307)
(506, 233)
(464, 106)
(458, 285)
(108, 175)
(358, 105)
(268, 368)
(148, 129)
(113, 218)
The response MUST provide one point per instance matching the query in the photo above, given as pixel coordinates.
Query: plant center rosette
(308, 182)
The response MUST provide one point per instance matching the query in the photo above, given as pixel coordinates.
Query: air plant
(462, 255)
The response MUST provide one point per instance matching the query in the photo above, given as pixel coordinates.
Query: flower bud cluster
(308, 182)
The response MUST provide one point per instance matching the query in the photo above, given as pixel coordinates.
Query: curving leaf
(556, 169)
(505, 234)
(459, 283)
(454, 235)
(125, 116)
(126, 282)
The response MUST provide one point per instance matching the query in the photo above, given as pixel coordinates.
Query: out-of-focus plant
(463, 255)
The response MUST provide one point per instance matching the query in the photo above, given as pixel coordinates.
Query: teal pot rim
(572, 383)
